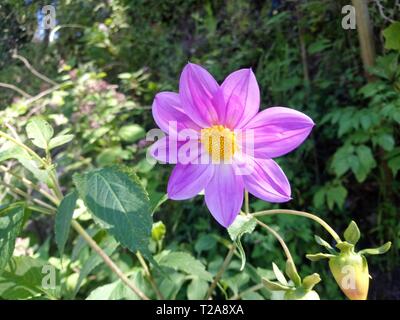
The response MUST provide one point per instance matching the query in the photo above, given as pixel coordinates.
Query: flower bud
(350, 270)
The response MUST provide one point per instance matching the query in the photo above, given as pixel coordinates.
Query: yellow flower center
(220, 143)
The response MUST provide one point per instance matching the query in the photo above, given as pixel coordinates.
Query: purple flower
(221, 113)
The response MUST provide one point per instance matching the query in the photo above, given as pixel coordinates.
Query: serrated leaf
(183, 261)
(241, 226)
(39, 132)
(119, 200)
(11, 220)
(380, 250)
(310, 281)
(319, 256)
(60, 140)
(64, 215)
(279, 274)
(352, 233)
(292, 272)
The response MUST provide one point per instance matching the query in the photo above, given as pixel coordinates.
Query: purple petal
(242, 98)
(186, 181)
(267, 181)
(224, 194)
(167, 109)
(197, 88)
(165, 150)
(278, 131)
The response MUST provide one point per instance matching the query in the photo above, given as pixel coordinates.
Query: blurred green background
(111, 57)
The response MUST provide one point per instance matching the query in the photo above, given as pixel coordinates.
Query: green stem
(221, 270)
(149, 276)
(246, 202)
(23, 146)
(279, 238)
(302, 214)
(74, 223)
(25, 195)
(30, 184)
(40, 209)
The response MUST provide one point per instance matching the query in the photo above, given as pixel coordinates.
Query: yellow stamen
(220, 143)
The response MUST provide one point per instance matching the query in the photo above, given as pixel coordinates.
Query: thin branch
(30, 184)
(107, 260)
(302, 214)
(33, 70)
(41, 95)
(28, 197)
(15, 88)
(150, 276)
(279, 238)
(221, 271)
(381, 9)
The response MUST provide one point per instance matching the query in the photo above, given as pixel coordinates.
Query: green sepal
(380, 250)
(352, 233)
(325, 244)
(319, 256)
(292, 272)
(274, 286)
(310, 281)
(345, 246)
(279, 274)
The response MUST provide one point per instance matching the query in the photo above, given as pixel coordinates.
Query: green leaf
(11, 221)
(11, 151)
(60, 140)
(392, 36)
(241, 226)
(394, 164)
(310, 281)
(22, 279)
(182, 261)
(352, 233)
(39, 132)
(292, 272)
(64, 215)
(380, 250)
(206, 242)
(197, 289)
(119, 291)
(319, 256)
(365, 163)
(118, 200)
(386, 141)
(336, 195)
(131, 133)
